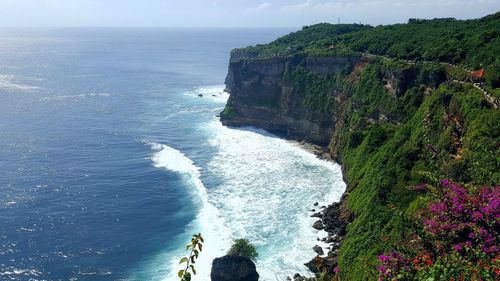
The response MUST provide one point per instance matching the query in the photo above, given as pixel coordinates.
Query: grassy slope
(383, 158)
(470, 43)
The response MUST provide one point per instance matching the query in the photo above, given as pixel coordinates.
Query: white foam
(74, 97)
(187, 111)
(13, 272)
(10, 82)
(173, 160)
(11, 202)
(269, 185)
(95, 95)
(211, 93)
(207, 221)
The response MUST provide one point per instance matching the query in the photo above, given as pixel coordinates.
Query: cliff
(302, 98)
(263, 95)
(392, 123)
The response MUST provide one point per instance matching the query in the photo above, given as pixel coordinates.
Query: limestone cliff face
(350, 105)
(261, 96)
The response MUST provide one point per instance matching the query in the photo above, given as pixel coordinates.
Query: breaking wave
(207, 221)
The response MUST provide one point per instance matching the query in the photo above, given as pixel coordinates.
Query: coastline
(392, 120)
(333, 219)
(300, 177)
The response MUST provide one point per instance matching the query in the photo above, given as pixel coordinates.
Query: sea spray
(207, 221)
(80, 195)
(268, 187)
(259, 187)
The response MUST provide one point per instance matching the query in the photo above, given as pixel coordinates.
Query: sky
(231, 13)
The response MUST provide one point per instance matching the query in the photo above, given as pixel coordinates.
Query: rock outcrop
(262, 96)
(233, 268)
(334, 220)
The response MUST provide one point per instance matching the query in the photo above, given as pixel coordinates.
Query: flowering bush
(466, 219)
(459, 240)
(397, 267)
(394, 266)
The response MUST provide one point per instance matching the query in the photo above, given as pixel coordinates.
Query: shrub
(458, 239)
(243, 248)
(195, 247)
(493, 76)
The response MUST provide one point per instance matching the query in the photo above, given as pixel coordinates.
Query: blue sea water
(110, 161)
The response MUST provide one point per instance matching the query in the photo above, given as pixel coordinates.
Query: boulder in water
(317, 215)
(318, 225)
(318, 250)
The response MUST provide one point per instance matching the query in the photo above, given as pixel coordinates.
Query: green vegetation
(196, 246)
(472, 44)
(451, 132)
(457, 236)
(243, 248)
(315, 88)
(309, 40)
(403, 122)
(228, 111)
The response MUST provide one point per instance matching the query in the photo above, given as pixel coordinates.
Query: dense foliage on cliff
(309, 39)
(458, 237)
(450, 132)
(243, 248)
(471, 43)
(404, 120)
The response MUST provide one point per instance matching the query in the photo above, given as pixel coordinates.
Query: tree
(243, 248)
(493, 76)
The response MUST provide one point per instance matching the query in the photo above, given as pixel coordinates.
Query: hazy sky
(231, 13)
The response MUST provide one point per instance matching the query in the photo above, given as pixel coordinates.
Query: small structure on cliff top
(478, 75)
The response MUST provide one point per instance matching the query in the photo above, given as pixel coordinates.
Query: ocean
(112, 156)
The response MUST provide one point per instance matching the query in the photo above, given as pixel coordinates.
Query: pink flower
(336, 269)
(462, 219)
(445, 183)
(437, 207)
(384, 258)
(477, 216)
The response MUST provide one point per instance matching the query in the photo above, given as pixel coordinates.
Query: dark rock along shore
(334, 220)
(260, 97)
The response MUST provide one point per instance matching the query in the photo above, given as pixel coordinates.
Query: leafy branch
(196, 247)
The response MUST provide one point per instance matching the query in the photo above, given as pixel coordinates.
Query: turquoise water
(110, 160)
